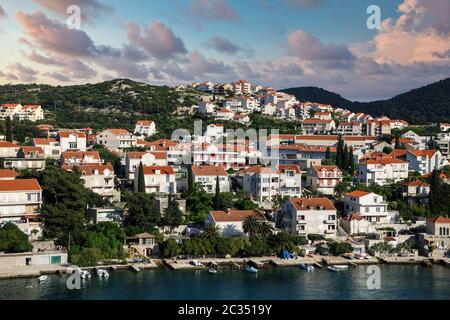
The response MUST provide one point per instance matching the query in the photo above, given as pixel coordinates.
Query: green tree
(173, 215)
(340, 153)
(191, 186)
(345, 159)
(398, 145)
(141, 178)
(141, 214)
(217, 194)
(8, 130)
(339, 248)
(328, 153)
(170, 248)
(12, 240)
(251, 225)
(351, 160)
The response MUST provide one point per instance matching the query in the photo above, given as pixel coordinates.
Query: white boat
(85, 274)
(42, 278)
(102, 273)
(251, 269)
(197, 263)
(337, 268)
(212, 271)
(306, 267)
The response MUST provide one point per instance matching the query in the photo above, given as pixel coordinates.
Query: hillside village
(346, 182)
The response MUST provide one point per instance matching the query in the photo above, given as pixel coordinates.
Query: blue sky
(282, 43)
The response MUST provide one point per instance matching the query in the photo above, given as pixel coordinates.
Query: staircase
(341, 232)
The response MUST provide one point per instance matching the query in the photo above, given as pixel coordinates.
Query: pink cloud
(213, 10)
(159, 41)
(90, 9)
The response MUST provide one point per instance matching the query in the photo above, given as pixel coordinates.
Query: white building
(145, 128)
(230, 223)
(305, 216)
(206, 107)
(99, 178)
(133, 159)
(116, 139)
(20, 112)
(72, 140)
(77, 158)
(224, 115)
(318, 126)
(8, 149)
(206, 176)
(158, 179)
(369, 205)
(20, 202)
(324, 178)
(50, 146)
(382, 171)
(424, 161)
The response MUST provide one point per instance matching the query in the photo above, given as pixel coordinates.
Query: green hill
(429, 104)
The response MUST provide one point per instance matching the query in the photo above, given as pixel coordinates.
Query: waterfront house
(370, 206)
(100, 179)
(230, 223)
(20, 202)
(305, 216)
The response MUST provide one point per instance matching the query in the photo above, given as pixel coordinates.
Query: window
(331, 227)
(72, 145)
(301, 218)
(332, 217)
(366, 209)
(378, 209)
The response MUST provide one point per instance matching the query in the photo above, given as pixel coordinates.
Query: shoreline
(185, 264)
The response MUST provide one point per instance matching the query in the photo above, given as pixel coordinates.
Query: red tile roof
(306, 204)
(6, 144)
(161, 169)
(439, 219)
(144, 122)
(235, 215)
(90, 169)
(357, 193)
(282, 168)
(423, 153)
(6, 173)
(19, 185)
(81, 154)
(209, 171)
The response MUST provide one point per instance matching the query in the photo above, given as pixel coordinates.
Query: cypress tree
(434, 197)
(351, 160)
(398, 145)
(328, 153)
(190, 180)
(8, 130)
(173, 216)
(217, 194)
(141, 178)
(345, 159)
(339, 152)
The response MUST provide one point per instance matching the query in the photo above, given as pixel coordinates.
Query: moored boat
(212, 271)
(337, 268)
(251, 269)
(306, 267)
(102, 273)
(42, 278)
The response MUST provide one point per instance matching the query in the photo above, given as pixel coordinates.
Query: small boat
(336, 268)
(85, 274)
(42, 278)
(251, 269)
(135, 268)
(102, 273)
(196, 263)
(212, 271)
(306, 267)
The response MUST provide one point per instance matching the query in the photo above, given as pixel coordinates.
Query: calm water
(397, 282)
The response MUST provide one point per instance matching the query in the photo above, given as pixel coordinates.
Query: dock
(405, 260)
(182, 265)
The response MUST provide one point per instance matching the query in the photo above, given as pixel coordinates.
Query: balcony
(326, 221)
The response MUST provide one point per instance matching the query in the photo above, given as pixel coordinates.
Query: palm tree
(251, 225)
(341, 188)
(211, 231)
(265, 229)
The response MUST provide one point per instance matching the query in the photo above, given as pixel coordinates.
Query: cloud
(77, 69)
(38, 58)
(2, 12)
(90, 9)
(305, 46)
(159, 41)
(198, 64)
(306, 4)
(57, 76)
(225, 46)
(22, 72)
(213, 10)
(54, 36)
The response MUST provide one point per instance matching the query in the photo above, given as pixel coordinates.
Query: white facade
(382, 171)
(370, 206)
(230, 223)
(116, 139)
(305, 216)
(206, 176)
(71, 140)
(158, 179)
(424, 161)
(133, 159)
(145, 128)
(100, 179)
(20, 112)
(324, 178)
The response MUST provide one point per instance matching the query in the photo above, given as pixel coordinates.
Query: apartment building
(27, 157)
(349, 128)
(230, 223)
(382, 171)
(78, 158)
(50, 146)
(318, 126)
(224, 155)
(370, 206)
(8, 149)
(158, 179)
(20, 112)
(424, 161)
(262, 183)
(72, 141)
(133, 159)
(145, 128)
(305, 216)
(290, 180)
(99, 178)
(324, 179)
(206, 177)
(116, 139)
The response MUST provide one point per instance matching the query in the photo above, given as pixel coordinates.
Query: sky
(280, 43)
